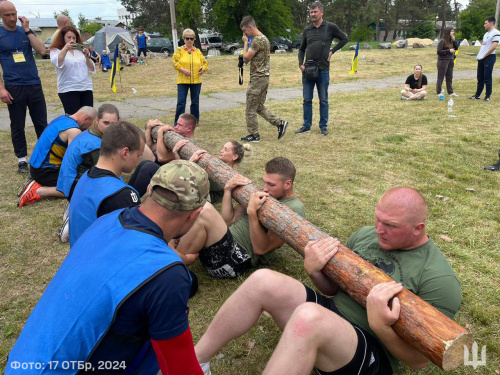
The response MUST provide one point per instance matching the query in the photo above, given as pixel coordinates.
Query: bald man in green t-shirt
(336, 335)
(230, 243)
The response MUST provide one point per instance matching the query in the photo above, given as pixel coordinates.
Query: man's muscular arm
(229, 213)
(316, 256)
(262, 242)
(381, 317)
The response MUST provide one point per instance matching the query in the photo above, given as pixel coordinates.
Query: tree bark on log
(432, 333)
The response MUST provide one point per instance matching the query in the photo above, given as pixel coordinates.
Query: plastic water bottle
(441, 95)
(450, 108)
(341, 58)
(363, 58)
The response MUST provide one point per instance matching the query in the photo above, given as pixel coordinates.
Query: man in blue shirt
(120, 297)
(142, 43)
(22, 87)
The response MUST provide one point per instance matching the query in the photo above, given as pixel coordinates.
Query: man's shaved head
(4, 5)
(400, 219)
(409, 201)
(63, 21)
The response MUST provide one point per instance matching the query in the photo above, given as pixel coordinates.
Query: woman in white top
(73, 68)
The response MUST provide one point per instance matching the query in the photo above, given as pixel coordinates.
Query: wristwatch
(29, 32)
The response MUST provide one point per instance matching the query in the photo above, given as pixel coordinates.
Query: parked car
(231, 47)
(296, 43)
(47, 44)
(163, 45)
(284, 41)
(209, 41)
(276, 46)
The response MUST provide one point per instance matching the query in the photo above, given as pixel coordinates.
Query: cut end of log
(454, 351)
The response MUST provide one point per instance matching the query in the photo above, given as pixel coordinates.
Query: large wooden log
(432, 333)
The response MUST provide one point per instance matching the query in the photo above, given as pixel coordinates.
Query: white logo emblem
(474, 363)
(134, 196)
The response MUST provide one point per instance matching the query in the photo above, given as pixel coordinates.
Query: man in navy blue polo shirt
(22, 87)
(119, 300)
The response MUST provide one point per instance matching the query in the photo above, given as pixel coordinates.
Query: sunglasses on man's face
(189, 38)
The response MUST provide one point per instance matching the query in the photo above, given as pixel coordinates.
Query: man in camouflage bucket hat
(186, 179)
(121, 291)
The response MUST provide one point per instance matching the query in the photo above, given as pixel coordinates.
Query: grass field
(377, 142)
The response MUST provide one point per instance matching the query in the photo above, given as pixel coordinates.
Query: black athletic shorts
(369, 358)
(45, 176)
(225, 258)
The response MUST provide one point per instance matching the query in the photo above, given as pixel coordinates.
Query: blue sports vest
(78, 306)
(87, 197)
(141, 41)
(81, 145)
(41, 153)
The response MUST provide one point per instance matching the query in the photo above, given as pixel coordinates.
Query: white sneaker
(453, 95)
(66, 212)
(205, 367)
(64, 231)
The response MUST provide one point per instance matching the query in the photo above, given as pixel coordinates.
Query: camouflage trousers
(256, 97)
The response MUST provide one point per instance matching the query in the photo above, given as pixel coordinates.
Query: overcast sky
(105, 9)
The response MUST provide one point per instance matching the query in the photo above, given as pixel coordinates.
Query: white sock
(22, 159)
(205, 367)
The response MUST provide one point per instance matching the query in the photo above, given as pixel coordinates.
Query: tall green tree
(273, 17)
(153, 15)
(82, 21)
(471, 20)
(92, 28)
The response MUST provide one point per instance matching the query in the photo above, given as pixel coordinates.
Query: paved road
(146, 108)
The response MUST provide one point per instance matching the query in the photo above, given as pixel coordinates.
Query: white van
(208, 41)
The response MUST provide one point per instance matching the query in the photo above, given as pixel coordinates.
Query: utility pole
(174, 24)
(496, 13)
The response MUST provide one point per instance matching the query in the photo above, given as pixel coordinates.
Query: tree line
(360, 19)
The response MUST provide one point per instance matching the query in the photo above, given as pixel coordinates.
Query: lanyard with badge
(18, 56)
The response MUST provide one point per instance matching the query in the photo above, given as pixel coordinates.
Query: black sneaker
(494, 167)
(302, 130)
(282, 129)
(324, 131)
(474, 97)
(251, 138)
(487, 99)
(22, 167)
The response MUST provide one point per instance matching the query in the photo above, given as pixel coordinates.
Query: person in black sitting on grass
(415, 85)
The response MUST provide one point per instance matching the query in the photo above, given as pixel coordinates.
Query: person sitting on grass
(415, 85)
(186, 126)
(94, 56)
(83, 152)
(233, 241)
(232, 153)
(337, 335)
(121, 295)
(48, 154)
(105, 62)
(101, 189)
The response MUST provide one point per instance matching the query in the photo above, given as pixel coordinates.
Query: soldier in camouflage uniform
(256, 50)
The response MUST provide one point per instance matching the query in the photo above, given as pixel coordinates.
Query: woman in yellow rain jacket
(190, 65)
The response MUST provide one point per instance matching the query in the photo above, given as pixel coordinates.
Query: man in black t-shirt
(415, 85)
(101, 190)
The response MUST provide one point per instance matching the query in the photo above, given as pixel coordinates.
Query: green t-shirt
(241, 231)
(260, 65)
(424, 270)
